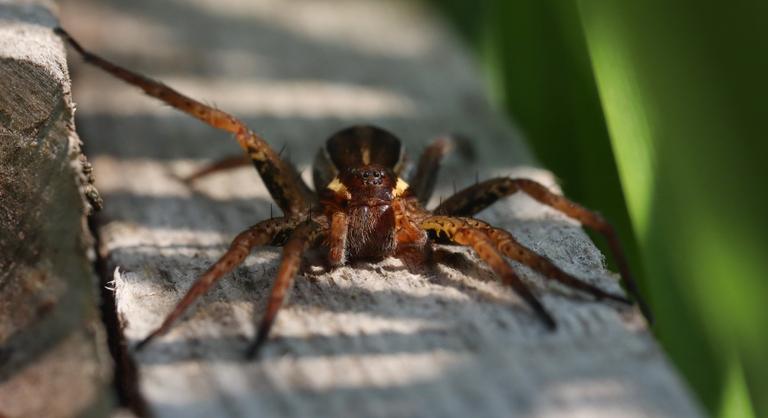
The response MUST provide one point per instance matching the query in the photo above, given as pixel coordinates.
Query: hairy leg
(285, 185)
(460, 232)
(510, 247)
(293, 250)
(412, 243)
(227, 163)
(475, 198)
(262, 233)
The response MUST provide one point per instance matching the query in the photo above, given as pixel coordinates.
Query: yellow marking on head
(400, 187)
(339, 188)
(366, 155)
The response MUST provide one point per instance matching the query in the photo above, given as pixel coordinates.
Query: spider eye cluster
(372, 177)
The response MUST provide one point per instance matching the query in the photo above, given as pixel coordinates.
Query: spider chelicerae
(361, 209)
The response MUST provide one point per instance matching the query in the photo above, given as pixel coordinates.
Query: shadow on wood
(364, 340)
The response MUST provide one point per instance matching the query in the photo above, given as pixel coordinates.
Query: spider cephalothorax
(362, 209)
(362, 200)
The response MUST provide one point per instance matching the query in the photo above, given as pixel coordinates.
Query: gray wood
(365, 340)
(53, 356)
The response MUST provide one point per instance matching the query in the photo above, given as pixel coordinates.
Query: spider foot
(541, 311)
(143, 343)
(253, 352)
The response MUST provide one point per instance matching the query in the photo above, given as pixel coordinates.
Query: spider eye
(366, 174)
(376, 174)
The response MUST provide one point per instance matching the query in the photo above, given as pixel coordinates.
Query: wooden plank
(365, 340)
(53, 355)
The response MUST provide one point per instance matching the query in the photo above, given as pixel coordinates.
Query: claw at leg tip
(551, 325)
(548, 320)
(143, 343)
(253, 351)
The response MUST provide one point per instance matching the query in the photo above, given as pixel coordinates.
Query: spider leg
(510, 247)
(475, 198)
(422, 182)
(263, 233)
(337, 239)
(284, 183)
(293, 250)
(227, 163)
(460, 232)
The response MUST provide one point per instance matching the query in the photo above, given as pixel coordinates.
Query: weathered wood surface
(53, 356)
(366, 340)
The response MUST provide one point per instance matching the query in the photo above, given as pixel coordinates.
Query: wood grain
(53, 355)
(369, 339)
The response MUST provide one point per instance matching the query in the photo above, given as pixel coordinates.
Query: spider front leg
(284, 183)
(293, 251)
(263, 233)
(475, 198)
(460, 232)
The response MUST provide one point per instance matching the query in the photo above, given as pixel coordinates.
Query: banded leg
(285, 185)
(422, 182)
(475, 198)
(262, 233)
(460, 232)
(293, 250)
(227, 163)
(510, 247)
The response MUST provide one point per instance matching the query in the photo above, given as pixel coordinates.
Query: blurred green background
(655, 114)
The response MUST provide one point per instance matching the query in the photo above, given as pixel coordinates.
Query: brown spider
(364, 210)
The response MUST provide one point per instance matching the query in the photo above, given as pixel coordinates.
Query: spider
(362, 209)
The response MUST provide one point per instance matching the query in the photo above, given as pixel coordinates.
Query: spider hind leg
(424, 177)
